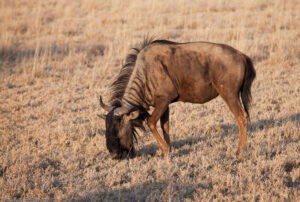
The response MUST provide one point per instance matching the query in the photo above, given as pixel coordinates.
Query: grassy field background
(58, 56)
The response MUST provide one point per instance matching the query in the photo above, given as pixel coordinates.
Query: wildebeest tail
(246, 86)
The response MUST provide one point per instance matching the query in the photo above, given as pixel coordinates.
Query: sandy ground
(57, 57)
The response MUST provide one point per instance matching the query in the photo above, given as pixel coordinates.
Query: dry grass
(58, 56)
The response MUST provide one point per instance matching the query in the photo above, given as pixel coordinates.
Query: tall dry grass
(57, 57)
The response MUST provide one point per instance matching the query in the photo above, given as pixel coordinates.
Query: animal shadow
(228, 129)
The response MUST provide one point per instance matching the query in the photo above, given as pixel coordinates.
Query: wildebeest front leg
(157, 114)
(164, 123)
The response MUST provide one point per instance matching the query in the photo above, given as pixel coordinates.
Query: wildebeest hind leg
(236, 108)
(164, 123)
(159, 110)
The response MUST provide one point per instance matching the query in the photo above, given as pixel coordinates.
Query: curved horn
(104, 106)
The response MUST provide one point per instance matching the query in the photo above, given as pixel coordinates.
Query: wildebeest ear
(120, 111)
(133, 115)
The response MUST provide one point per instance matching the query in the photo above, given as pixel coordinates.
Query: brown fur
(197, 72)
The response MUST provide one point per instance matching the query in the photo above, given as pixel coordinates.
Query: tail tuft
(250, 75)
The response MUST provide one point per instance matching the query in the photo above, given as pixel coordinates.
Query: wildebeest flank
(161, 72)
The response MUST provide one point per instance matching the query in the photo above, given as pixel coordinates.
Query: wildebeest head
(120, 131)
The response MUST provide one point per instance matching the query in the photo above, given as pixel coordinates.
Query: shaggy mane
(120, 84)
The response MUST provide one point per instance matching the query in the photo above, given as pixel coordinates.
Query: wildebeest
(160, 72)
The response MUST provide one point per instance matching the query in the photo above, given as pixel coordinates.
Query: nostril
(124, 154)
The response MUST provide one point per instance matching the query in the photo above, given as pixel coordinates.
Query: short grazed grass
(57, 57)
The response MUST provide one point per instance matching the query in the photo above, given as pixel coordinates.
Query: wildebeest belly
(196, 92)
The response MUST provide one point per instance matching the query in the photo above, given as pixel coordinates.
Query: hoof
(241, 154)
(163, 153)
(169, 149)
